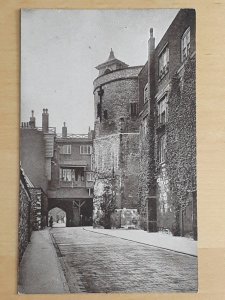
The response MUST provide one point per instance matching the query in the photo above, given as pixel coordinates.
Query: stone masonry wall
(116, 161)
(118, 93)
(129, 166)
(24, 217)
(144, 174)
(36, 208)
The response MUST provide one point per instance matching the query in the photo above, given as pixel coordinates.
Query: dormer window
(185, 44)
(107, 71)
(164, 62)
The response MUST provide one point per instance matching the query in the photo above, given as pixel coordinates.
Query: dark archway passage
(78, 211)
(59, 217)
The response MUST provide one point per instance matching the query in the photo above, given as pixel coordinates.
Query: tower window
(133, 109)
(105, 114)
(98, 110)
(107, 71)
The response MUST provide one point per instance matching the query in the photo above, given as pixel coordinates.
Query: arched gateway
(78, 211)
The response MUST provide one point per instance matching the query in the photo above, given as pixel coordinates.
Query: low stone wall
(120, 218)
(25, 227)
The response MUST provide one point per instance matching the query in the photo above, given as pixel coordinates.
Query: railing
(50, 129)
(72, 184)
(28, 126)
(73, 135)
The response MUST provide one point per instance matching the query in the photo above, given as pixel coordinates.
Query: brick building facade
(168, 125)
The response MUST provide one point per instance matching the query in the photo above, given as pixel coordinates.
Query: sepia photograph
(108, 188)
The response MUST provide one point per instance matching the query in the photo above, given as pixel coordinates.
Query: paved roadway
(95, 263)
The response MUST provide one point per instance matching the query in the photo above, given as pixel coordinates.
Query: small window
(145, 124)
(133, 109)
(185, 44)
(164, 62)
(85, 149)
(162, 110)
(107, 71)
(98, 110)
(146, 93)
(90, 176)
(105, 114)
(65, 149)
(162, 148)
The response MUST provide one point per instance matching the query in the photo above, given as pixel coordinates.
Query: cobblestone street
(95, 263)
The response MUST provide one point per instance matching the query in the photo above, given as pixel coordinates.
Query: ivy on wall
(181, 140)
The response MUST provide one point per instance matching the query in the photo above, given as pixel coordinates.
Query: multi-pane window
(133, 109)
(162, 110)
(164, 62)
(185, 44)
(71, 174)
(67, 174)
(85, 149)
(65, 149)
(162, 148)
(146, 93)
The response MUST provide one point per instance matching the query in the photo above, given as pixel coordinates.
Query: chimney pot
(45, 120)
(151, 32)
(64, 130)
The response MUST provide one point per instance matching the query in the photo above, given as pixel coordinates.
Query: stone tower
(116, 132)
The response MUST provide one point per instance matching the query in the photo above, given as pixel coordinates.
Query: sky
(61, 48)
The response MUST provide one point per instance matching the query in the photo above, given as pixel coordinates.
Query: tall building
(71, 187)
(59, 166)
(167, 103)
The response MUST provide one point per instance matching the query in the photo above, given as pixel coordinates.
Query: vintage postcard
(108, 195)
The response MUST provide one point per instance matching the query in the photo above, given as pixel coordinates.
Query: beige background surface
(210, 139)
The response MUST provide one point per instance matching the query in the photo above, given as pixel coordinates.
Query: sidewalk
(156, 239)
(40, 271)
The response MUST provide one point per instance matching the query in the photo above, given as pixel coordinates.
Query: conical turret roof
(112, 60)
(111, 55)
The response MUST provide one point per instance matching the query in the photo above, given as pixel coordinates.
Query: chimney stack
(151, 48)
(32, 120)
(45, 120)
(64, 130)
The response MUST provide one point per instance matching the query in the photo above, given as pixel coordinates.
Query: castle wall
(120, 89)
(116, 160)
